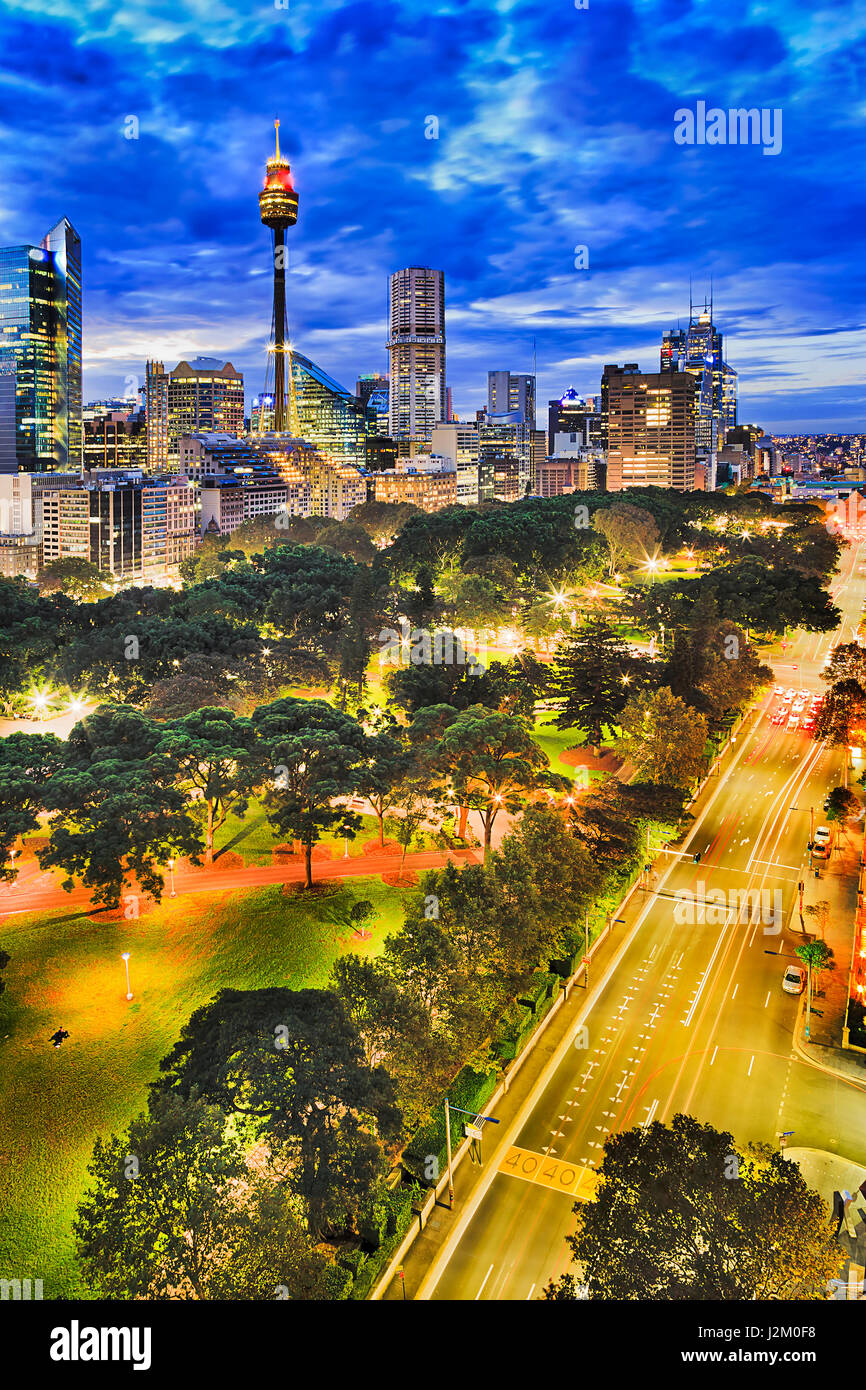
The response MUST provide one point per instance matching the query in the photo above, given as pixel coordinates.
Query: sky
(555, 130)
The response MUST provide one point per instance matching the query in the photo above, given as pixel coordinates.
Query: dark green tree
(293, 1061)
(314, 754)
(214, 755)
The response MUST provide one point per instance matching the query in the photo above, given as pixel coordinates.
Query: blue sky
(555, 131)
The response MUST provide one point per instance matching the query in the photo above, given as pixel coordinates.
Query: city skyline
(531, 161)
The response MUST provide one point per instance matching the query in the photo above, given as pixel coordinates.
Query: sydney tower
(278, 205)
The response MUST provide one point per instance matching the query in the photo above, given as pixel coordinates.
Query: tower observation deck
(278, 206)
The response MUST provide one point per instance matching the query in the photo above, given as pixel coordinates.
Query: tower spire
(277, 130)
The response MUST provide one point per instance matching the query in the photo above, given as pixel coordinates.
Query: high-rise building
(651, 428)
(278, 206)
(699, 349)
(40, 354)
(507, 391)
(329, 416)
(571, 414)
(202, 395)
(459, 444)
(416, 345)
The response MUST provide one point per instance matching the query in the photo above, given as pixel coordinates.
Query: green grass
(66, 971)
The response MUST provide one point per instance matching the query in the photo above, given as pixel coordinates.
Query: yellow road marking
(571, 1178)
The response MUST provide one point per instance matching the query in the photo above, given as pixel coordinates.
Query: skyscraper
(416, 345)
(507, 391)
(204, 394)
(40, 353)
(699, 349)
(651, 428)
(278, 206)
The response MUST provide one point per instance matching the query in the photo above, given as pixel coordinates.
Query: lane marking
(486, 1277)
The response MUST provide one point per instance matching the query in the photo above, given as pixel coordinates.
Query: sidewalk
(827, 1173)
(835, 924)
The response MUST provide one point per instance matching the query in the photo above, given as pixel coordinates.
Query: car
(794, 979)
(797, 707)
(778, 717)
(787, 697)
(808, 724)
(822, 835)
(777, 690)
(793, 723)
(791, 691)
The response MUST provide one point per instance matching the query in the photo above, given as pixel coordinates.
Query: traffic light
(697, 857)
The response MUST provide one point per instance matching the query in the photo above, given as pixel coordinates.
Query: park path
(37, 891)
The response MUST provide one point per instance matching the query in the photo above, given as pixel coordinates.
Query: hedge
(470, 1090)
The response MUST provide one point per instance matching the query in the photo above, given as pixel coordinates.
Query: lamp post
(124, 956)
(172, 893)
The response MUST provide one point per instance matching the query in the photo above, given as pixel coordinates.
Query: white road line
(652, 1110)
(751, 1064)
(713, 1058)
(767, 1000)
(531, 1292)
(481, 1290)
(734, 995)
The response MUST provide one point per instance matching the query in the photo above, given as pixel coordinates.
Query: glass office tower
(40, 354)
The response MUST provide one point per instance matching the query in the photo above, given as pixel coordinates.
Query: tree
(815, 955)
(27, 764)
(494, 763)
(4, 961)
(199, 681)
(682, 1213)
(563, 873)
(382, 520)
(842, 711)
(631, 533)
(73, 576)
(293, 1061)
(842, 806)
(115, 807)
(213, 753)
(315, 754)
(663, 738)
(380, 778)
(592, 673)
(178, 1212)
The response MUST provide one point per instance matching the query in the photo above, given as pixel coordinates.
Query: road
(693, 1017)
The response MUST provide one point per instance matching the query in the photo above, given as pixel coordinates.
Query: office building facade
(132, 529)
(416, 346)
(651, 428)
(201, 395)
(509, 391)
(40, 354)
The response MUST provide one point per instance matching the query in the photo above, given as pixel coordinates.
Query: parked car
(822, 835)
(794, 979)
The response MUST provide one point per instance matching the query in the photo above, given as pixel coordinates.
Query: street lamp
(124, 956)
(172, 894)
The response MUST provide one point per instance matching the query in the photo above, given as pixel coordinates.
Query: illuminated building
(40, 354)
(330, 417)
(133, 529)
(699, 350)
(651, 428)
(431, 490)
(507, 391)
(278, 206)
(459, 444)
(115, 441)
(416, 346)
(201, 395)
(571, 414)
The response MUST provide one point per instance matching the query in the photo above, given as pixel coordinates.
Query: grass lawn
(66, 971)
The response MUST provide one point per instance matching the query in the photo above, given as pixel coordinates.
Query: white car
(787, 697)
(822, 835)
(777, 690)
(794, 722)
(794, 979)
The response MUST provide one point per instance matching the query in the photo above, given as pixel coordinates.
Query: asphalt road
(693, 1019)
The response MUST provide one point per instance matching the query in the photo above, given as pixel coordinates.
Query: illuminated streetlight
(124, 956)
(172, 894)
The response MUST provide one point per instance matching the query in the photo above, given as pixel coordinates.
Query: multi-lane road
(691, 1015)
